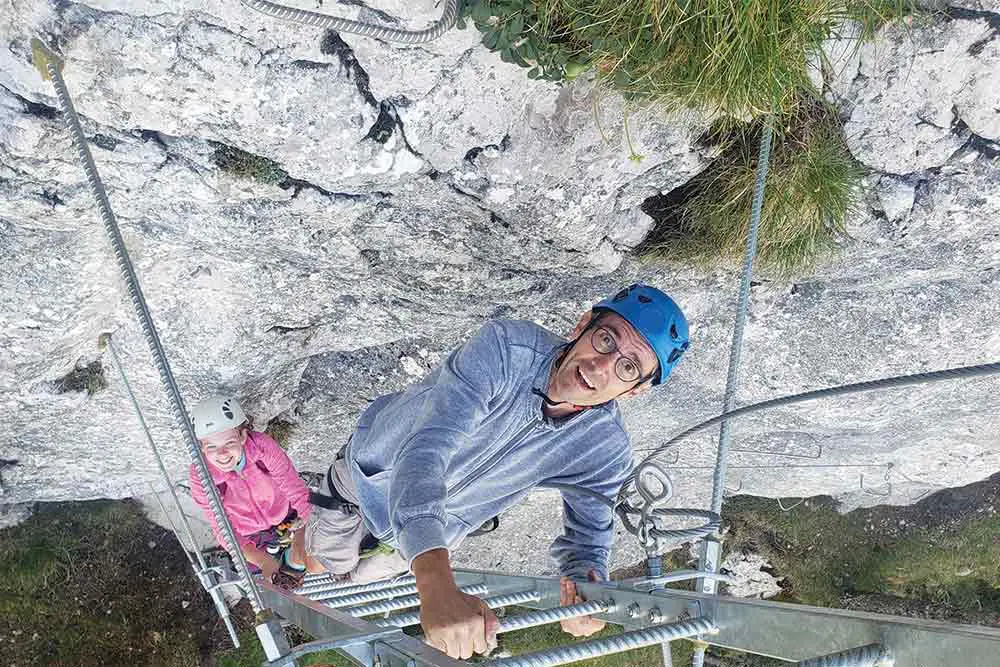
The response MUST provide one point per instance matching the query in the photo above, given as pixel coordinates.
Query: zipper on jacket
(253, 501)
(491, 462)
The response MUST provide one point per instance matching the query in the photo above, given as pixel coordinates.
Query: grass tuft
(85, 377)
(280, 430)
(247, 165)
(811, 189)
(740, 58)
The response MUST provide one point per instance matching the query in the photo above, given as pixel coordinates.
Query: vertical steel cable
(736, 353)
(51, 65)
(201, 568)
(448, 16)
(742, 304)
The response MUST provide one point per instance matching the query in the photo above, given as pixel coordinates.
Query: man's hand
(458, 624)
(583, 626)
(453, 622)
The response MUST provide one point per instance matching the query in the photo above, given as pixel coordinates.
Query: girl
(261, 492)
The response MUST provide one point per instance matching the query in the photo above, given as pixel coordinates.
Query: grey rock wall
(429, 188)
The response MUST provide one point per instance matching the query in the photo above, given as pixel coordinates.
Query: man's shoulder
(526, 334)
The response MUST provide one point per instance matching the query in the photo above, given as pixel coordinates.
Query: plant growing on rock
(811, 190)
(247, 165)
(738, 60)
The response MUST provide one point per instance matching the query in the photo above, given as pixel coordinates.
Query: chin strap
(551, 403)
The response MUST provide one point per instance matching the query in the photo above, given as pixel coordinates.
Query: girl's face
(224, 449)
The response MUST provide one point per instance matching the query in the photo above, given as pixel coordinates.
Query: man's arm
(583, 549)
(588, 523)
(451, 411)
(456, 623)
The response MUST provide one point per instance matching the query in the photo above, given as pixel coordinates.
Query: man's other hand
(583, 626)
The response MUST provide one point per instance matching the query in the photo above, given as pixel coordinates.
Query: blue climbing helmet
(657, 318)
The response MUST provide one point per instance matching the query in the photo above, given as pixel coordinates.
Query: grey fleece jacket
(435, 461)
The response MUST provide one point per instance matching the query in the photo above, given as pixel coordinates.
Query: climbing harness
(448, 17)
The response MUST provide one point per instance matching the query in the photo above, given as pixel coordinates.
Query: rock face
(411, 193)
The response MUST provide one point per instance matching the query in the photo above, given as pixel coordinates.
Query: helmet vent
(644, 299)
(622, 295)
(673, 332)
(226, 410)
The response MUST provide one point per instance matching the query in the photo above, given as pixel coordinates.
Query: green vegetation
(811, 189)
(80, 584)
(947, 565)
(740, 58)
(85, 377)
(95, 583)
(247, 165)
(280, 431)
(737, 60)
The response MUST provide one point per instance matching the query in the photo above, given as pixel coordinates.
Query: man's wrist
(432, 571)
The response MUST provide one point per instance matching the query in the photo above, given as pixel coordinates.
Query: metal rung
(496, 602)
(618, 644)
(366, 596)
(554, 615)
(872, 655)
(404, 602)
(332, 590)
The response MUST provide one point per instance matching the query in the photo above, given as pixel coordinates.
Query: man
(514, 408)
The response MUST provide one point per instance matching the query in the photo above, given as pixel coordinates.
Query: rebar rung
(405, 602)
(872, 655)
(608, 645)
(554, 615)
(496, 602)
(328, 590)
(365, 596)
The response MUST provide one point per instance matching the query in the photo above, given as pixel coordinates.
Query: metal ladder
(358, 620)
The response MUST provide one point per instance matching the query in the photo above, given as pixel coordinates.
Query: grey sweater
(435, 461)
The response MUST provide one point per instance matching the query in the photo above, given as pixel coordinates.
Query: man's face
(224, 449)
(588, 377)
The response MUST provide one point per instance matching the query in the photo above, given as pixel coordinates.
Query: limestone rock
(405, 195)
(922, 91)
(896, 197)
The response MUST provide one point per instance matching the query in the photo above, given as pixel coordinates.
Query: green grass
(79, 585)
(812, 187)
(741, 58)
(247, 165)
(826, 555)
(84, 377)
(280, 431)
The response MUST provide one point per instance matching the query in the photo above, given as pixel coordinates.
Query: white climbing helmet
(216, 414)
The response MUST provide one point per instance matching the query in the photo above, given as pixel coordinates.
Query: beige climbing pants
(334, 536)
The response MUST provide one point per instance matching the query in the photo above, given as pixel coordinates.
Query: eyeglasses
(626, 369)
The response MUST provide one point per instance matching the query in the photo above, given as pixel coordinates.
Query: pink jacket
(259, 496)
